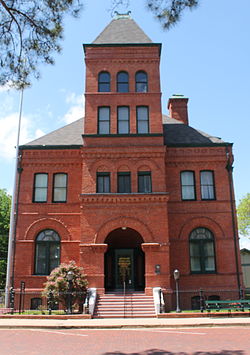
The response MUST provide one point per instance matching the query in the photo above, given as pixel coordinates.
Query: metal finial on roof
(118, 15)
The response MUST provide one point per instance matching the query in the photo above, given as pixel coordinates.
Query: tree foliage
(243, 213)
(5, 206)
(31, 31)
(169, 12)
(57, 284)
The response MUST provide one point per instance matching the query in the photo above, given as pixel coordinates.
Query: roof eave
(159, 45)
(46, 147)
(179, 145)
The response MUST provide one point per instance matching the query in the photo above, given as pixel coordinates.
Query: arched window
(47, 252)
(104, 82)
(141, 81)
(202, 256)
(122, 82)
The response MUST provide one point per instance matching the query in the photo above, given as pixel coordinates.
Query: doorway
(124, 261)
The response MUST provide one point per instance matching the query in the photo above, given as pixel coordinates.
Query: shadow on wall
(164, 352)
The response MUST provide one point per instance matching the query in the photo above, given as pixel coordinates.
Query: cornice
(124, 155)
(161, 197)
(192, 163)
(52, 154)
(51, 163)
(203, 151)
(118, 94)
(107, 62)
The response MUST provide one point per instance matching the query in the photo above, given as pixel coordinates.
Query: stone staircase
(133, 305)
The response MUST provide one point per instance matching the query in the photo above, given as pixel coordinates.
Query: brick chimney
(177, 105)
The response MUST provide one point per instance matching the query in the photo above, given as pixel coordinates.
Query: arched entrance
(124, 260)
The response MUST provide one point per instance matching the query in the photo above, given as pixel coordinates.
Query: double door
(124, 268)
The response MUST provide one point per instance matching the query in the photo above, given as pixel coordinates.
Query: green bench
(236, 305)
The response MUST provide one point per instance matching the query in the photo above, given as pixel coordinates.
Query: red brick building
(127, 185)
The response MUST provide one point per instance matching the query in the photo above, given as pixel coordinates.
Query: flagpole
(13, 216)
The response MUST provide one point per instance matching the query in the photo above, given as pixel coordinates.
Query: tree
(243, 213)
(5, 206)
(31, 31)
(57, 284)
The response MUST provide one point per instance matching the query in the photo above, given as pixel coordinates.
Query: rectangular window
(103, 120)
(207, 185)
(123, 119)
(142, 119)
(144, 182)
(103, 182)
(188, 185)
(124, 182)
(40, 187)
(60, 187)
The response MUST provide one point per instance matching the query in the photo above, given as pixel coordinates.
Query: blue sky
(206, 57)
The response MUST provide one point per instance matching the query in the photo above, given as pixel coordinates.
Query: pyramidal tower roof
(122, 30)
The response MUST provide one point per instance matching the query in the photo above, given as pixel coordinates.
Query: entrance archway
(124, 260)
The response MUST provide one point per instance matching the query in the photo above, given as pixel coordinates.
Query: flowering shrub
(57, 284)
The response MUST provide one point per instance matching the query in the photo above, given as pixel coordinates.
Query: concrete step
(136, 305)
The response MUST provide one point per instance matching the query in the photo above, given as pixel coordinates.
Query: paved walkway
(124, 323)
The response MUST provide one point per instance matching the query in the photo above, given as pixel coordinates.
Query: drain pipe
(229, 168)
(13, 215)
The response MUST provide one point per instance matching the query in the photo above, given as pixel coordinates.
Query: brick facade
(93, 227)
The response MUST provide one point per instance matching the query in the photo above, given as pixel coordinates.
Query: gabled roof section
(69, 135)
(122, 30)
(175, 134)
(178, 134)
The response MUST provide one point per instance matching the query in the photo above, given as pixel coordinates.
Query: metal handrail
(124, 299)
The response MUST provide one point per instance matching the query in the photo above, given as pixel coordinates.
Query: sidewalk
(123, 323)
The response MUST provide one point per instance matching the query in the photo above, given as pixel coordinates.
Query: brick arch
(204, 222)
(144, 168)
(123, 167)
(102, 163)
(128, 222)
(47, 223)
(150, 163)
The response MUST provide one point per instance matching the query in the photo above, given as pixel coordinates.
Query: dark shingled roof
(175, 133)
(67, 135)
(122, 30)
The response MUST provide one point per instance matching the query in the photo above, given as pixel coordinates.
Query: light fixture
(124, 228)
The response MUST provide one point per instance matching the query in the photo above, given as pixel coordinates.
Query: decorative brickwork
(154, 226)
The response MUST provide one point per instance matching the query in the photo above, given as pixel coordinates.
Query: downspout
(13, 215)
(229, 168)
(19, 171)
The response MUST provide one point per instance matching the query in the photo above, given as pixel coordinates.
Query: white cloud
(8, 133)
(6, 87)
(244, 242)
(76, 110)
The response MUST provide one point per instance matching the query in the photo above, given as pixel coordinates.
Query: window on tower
(123, 119)
(104, 120)
(141, 81)
(142, 119)
(122, 82)
(144, 182)
(124, 182)
(104, 82)
(102, 182)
